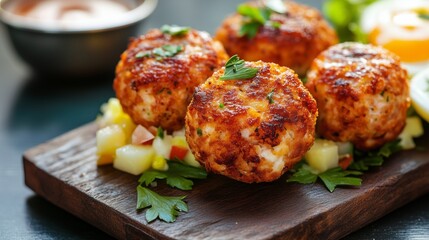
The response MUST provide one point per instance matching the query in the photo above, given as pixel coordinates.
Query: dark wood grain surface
(64, 172)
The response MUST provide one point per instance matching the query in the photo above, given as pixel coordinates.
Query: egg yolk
(406, 34)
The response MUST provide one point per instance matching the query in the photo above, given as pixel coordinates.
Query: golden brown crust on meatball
(155, 91)
(362, 94)
(251, 130)
(302, 35)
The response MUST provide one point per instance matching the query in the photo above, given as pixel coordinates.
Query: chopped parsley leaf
(166, 208)
(199, 132)
(160, 132)
(162, 207)
(176, 175)
(374, 158)
(255, 17)
(270, 97)
(175, 30)
(161, 52)
(167, 50)
(331, 178)
(235, 70)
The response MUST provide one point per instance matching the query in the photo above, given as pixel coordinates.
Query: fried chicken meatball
(158, 73)
(296, 38)
(251, 130)
(362, 94)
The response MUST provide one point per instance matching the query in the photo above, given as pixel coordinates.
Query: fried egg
(401, 27)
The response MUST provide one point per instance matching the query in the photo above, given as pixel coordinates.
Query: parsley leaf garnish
(374, 158)
(256, 17)
(176, 175)
(249, 29)
(270, 97)
(162, 207)
(235, 69)
(331, 178)
(161, 52)
(337, 176)
(302, 173)
(390, 148)
(255, 14)
(166, 208)
(143, 54)
(364, 163)
(174, 30)
(345, 16)
(167, 50)
(160, 132)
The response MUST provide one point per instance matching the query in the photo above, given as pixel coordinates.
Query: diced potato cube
(112, 113)
(159, 163)
(134, 159)
(113, 106)
(190, 160)
(162, 146)
(323, 155)
(104, 160)
(109, 139)
(112, 110)
(344, 148)
(406, 142)
(125, 122)
(413, 127)
(179, 141)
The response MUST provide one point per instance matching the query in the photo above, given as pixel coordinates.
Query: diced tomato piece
(141, 136)
(345, 161)
(178, 152)
(148, 142)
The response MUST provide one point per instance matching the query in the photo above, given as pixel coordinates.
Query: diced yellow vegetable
(108, 140)
(323, 155)
(134, 159)
(190, 160)
(127, 125)
(112, 111)
(413, 127)
(179, 141)
(104, 160)
(406, 142)
(159, 163)
(162, 146)
(113, 114)
(419, 94)
(113, 105)
(344, 148)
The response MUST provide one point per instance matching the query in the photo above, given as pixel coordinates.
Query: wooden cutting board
(64, 172)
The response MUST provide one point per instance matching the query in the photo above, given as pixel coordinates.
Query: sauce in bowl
(67, 12)
(71, 15)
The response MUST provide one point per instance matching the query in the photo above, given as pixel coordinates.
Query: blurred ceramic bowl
(74, 38)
